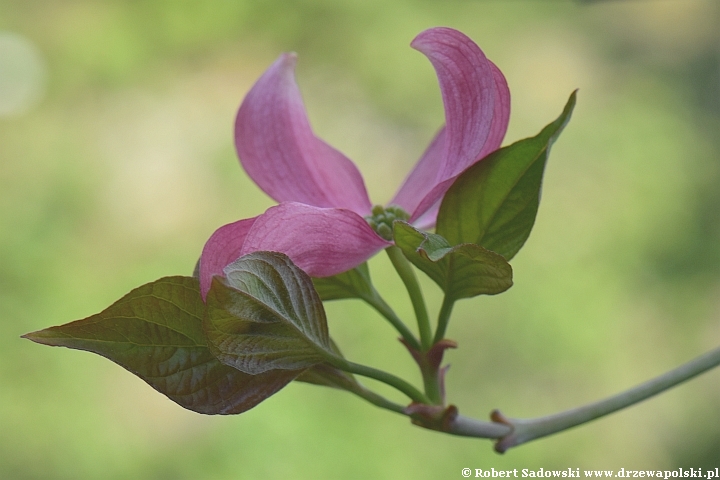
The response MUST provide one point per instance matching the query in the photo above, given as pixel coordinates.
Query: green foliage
(354, 283)
(265, 329)
(266, 316)
(462, 271)
(155, 332)
(494, 202)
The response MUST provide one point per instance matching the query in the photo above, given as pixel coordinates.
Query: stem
(407, 274)
(431, 382)
(377, 302)
(444, 318)
(526, 430)
(378, 400)
(385, 377)
(470, 427)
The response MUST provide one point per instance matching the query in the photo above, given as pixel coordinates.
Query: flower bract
(321, 219)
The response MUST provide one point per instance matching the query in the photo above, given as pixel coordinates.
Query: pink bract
(320, 222)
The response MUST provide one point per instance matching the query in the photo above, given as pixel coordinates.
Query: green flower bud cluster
(382, 219)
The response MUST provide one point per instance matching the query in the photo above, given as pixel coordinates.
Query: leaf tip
(33, 336)
(43, 337)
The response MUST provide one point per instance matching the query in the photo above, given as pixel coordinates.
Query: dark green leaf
(266, 315)
(155, 332)
(354, 283)
(494, 202)
(462, 271)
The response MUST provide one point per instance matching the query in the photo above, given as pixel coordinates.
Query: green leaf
(354, 283)
(462, 271)
(155, 332)
(266, 315)
(494, 202)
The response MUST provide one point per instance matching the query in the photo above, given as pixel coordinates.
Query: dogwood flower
(324, 216)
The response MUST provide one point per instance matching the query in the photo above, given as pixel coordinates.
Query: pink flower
(319, 222)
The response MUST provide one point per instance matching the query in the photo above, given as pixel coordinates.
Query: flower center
(382, 219)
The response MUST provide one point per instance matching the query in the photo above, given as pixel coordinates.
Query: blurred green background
(117, 162)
